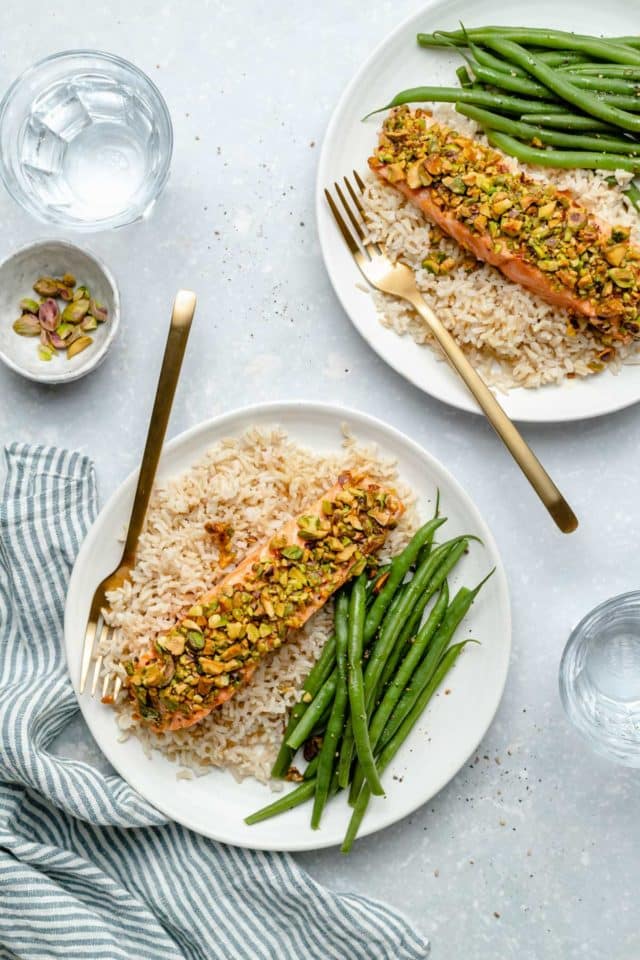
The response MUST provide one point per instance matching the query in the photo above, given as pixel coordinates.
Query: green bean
(517, 83)
(614, 50)
(561, 58)
(482, 98)
(409, 665)
(457, 610)
(563, 159)
(401, 679)
(400, 566)
(445, 663)
(294, 798)
(602, 70)
(487, 59)
(321, 723)
(392, 747)
(346, 749)
(568, 121)
(527, 132)
(607, 85)
(399, 648)
(508, 81)
(428, 578)
(404, 639)
(323, 698)
(357, 703)
(425, 549)
(311, 768)
(317, 676)
(327, 755)
(398, 614)
(510, 76)
(463, 77)
(619, 101)
(562, 87)
(633, 194)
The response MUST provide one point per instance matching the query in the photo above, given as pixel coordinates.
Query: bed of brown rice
(511, 335)
(253, 483)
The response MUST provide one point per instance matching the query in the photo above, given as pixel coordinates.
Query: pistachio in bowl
(59, 311)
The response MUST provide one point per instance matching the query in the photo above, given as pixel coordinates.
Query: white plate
(399, 63)
(215, 805)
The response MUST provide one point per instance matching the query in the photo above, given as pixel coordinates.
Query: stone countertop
(532, 851)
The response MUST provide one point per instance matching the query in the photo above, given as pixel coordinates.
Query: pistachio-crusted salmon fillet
(537, 235)
(216, 648)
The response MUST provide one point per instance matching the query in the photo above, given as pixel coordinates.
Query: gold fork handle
(521, 452)
(183, 309)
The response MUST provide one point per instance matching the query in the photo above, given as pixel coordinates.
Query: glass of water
(85, 141)
(600, 678)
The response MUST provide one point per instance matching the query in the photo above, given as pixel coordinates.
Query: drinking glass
(85, 140)
(600, 678)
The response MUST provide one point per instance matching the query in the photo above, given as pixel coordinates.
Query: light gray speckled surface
(533, 850)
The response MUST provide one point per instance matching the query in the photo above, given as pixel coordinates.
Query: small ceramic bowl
(18, 273)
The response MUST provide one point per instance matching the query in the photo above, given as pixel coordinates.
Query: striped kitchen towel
(87, 868)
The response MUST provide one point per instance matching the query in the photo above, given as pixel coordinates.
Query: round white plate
(399, 63)
(215, 805)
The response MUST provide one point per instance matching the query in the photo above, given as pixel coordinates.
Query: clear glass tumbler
(85, 140)
(600, 678)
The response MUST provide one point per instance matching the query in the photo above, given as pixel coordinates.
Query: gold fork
(181, 317)
(399, 280)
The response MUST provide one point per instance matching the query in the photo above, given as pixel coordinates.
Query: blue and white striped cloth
(87, 868)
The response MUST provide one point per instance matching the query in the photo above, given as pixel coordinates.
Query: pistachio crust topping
(532, 220)
(216, 647)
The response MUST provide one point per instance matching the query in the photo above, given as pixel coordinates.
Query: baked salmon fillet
(537, 235)
(279, 584)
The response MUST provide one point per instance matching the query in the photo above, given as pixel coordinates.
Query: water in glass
(600, 678)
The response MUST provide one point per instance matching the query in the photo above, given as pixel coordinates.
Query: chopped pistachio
(312, 528)
(46, 287)
(173, 643)
(78, 346)
(212, 667)
(27, 305)
(98, 311)
(196, 639)
(623, 278)
(49, 315)
(27, 325)
(292, 552)
(75, 311)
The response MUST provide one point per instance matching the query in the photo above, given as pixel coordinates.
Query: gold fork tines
(399, 280)
(97, 632)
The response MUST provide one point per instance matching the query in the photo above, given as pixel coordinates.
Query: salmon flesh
(216, 648)
(537, 235)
